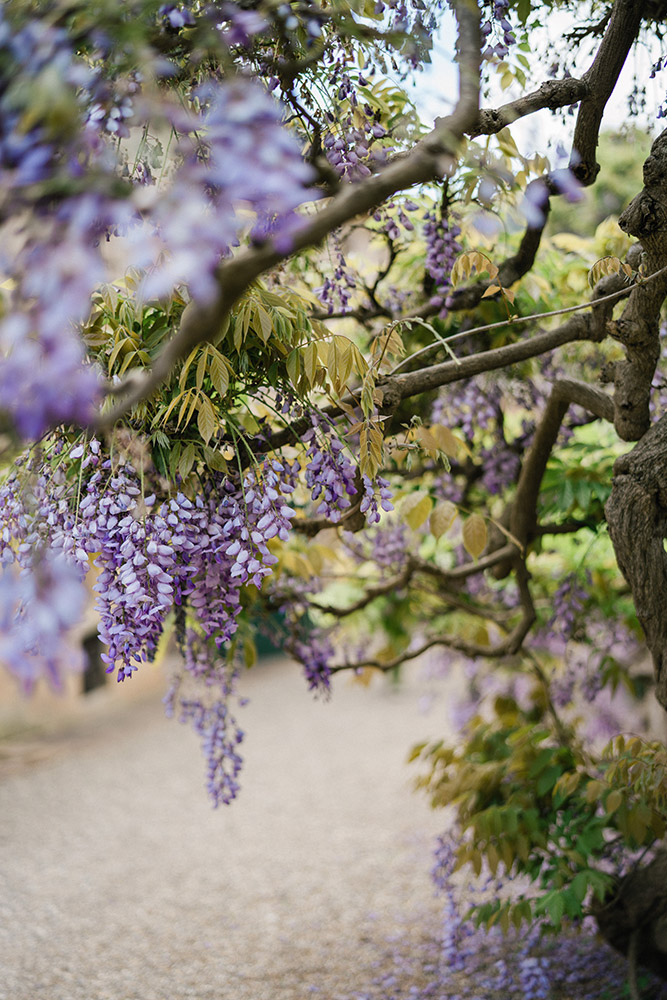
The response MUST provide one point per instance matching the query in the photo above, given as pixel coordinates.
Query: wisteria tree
(275, 354)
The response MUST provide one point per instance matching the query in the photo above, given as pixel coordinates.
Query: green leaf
(206, 418)
(523, 9)
(555, 906)
(218, 373)
(186, 461)
(580, 885)
(548, 779)
(293, 365)
(249, 652)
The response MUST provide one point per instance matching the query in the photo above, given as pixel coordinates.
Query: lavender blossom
(38, 608)
(236, 153)
(330, 474)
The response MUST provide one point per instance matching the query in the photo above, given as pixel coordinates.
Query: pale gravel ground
(119, 882)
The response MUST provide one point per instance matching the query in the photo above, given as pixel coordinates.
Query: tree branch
(379, 590)
(523, 521)
(468, 569)
(523, 509)
(412, 383)
(600, 296)
(552, 94)
(600, 81)
(508, 647)
(417, 565)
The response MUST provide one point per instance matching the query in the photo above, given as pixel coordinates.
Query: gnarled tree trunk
(634, 918)
(637, 509)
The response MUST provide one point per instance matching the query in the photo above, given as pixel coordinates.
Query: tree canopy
(277, 355)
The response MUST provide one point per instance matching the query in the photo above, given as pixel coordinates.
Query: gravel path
(119, 882)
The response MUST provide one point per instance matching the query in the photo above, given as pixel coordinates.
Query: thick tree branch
(593, 327)
(523, 516)
(412, 383)
(634, 918)
(600, 81)
(600, 296)
(562, 527)
(552, 94)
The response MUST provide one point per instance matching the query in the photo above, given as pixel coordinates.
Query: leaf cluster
(533, 806)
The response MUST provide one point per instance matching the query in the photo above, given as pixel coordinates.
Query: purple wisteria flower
(315, 653)
(442, 249)
(236, 153)
(330, 474)
(205, 705)
(38, 608)
(377, 496)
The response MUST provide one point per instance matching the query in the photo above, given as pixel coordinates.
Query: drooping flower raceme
(441, 251)
(38, 608)
(50, 263)
(330, 474)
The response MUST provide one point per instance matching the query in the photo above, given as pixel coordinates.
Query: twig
(623, 293)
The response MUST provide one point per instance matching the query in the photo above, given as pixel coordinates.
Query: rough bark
(600, 81)
(637, 518)
(636, 914)
(637, 508)
(638, 328)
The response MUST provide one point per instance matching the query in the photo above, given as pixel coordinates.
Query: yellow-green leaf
(218, 373)
(474, 535)
(309, 359)
(442, 518)
(448, 442)
(265, 324)
(201, 368)
(415, 508)
(206, 419)
(249, 652)
(613, 801)
(175, 401)
(186, 367)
